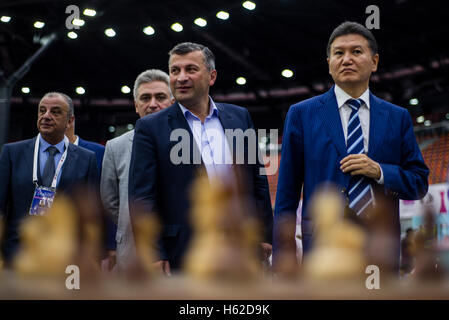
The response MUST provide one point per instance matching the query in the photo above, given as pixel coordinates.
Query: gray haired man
(151, 94)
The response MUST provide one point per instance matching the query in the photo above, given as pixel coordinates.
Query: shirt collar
(342, 97)
(60, 145)
(213, 110)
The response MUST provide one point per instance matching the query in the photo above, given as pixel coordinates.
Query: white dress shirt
(364, 117)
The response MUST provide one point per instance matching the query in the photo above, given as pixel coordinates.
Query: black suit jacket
(17, 188)
(164, 187)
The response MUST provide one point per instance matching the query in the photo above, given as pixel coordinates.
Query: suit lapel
(29, 159)
(176, 120)
(328, 113)
(68, 166)
(377, 126)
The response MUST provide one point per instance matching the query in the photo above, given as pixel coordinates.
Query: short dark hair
(187, 47)
(349, 27)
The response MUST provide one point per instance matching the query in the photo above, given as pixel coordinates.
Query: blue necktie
(49, 169)
(359, 191)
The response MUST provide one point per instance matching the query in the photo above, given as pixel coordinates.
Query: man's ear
(71, 121)
(213, 77)
(375, 62)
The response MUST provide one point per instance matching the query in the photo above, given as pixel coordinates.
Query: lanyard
(58, 168)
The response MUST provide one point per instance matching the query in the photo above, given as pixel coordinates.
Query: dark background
(258, 44)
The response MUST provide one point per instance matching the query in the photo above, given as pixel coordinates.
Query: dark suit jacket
(111, 228)
(313, 146)
(17, 188)
(164, 187)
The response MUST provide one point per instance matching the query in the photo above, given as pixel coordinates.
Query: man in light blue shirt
(24, 167)
(163, 185)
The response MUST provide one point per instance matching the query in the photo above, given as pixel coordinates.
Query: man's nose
(347, 58)
(153, 104)
(182, 77)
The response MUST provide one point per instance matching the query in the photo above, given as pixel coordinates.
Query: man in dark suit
(157, 182)
(349, 137)
(57, 165)
(108, 262)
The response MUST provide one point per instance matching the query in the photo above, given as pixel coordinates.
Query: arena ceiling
(255, 44)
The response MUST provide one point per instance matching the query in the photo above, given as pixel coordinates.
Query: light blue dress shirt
(211, 141)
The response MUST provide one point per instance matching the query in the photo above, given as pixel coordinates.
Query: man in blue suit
(57, 165)
(108, 262)
(161, 184)
(349, 137)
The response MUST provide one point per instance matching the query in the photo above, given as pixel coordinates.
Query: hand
(108, 264)
(266, 250)
(163, 266)
(360, 164)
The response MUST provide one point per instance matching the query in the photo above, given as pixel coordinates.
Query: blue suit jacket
(164, 187)
(313, 146)
(111, 228)
(17, 188)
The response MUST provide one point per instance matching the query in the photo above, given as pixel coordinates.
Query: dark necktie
(359, 193)
(49, 169)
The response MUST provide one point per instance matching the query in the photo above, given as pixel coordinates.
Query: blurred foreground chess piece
(1, 239)
(91, 231)
(48, 241)
(145, 228)
(286, 264)
(427, 264)
(226, 234)
(337, 253)
(382, 248)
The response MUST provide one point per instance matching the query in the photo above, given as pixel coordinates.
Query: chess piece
(145, 227)
(427, 264)
(226, 235)
(338, 245)
(286, 264)
(48, 241)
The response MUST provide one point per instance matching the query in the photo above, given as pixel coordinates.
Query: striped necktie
(359, 191)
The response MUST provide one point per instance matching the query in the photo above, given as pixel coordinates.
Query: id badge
(42, 200)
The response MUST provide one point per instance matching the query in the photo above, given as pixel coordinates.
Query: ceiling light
(78, 22)
(110, 32)
(414, 102)
(126, 89)
(39, 24)
(72, 35)
(420, 119)
(200, 22)
(130, 126)
(25, 90)
(223, 15)
(80, 90)
(177, 27)
(427, 123)
(241, 81)
(111, 129)
(148, 30)
(249, 5)
(287, 73)
(89, 12)
(5, 19)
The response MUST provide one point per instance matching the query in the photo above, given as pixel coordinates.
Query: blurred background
(269, 55)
